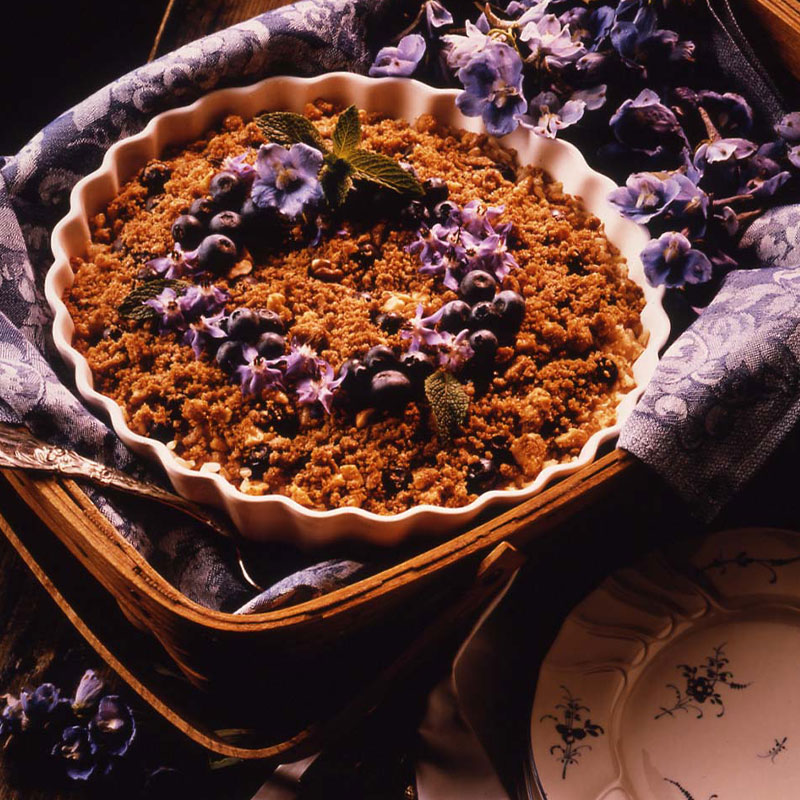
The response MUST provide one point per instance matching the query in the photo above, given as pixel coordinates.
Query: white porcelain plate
(678, 679)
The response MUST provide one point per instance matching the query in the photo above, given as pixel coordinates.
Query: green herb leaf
(449, 402)
(385, 171)
(336, 180)
(132, 306)
(347, 134)
(286, 128)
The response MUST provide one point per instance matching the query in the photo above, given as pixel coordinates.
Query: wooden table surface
(38, 643)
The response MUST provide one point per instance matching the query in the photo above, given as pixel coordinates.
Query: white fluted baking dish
(276, 517)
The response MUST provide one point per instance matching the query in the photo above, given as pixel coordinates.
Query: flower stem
(726, 201)
(411, 26)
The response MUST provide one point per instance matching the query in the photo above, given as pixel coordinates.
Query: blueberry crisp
(352, 310)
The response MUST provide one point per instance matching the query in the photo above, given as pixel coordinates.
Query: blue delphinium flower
(112, 729)
(202, 331)
(493, 88)
(88, 692)
(288, 180)
(551, 43)
(689, 208)
(320, 388)
(38, 706)
(733, 149)
(176, 264)
(671, 260)
(437, 15)
(463, 49)
(789, 127)
(204, 299)
(400, 61)
(730, 112)
(419, 330)
(548, 114)
(168, 308)
(646, 125)
(453, 351)
(644, 196)
(793, 154)
(11, 715)
(257, 373)
(761, 175)
(78, 752)
(591, 27)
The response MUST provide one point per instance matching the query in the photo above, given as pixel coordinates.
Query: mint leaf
(449, 403)
(286, 128)
(132, 306)
(384, 171)
(336, 180)
(347, 134)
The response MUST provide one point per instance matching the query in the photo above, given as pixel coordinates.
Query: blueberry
(500, 450)
(366, 254)
(380, 358)
(229, 355)
(436, 191)
(510, 306)
(257, 460)
(227, 189)
(270, 321)
(417, 366)
(154, 176)
(484, 343)
(243, 325)
(203, 208)
(217, 253)
(484, 315)
(414, 214)
(270, 345)
(228, 223)
(409, 168)
(390, 323)
(455, 316)
(476, 286)
(445, 211)
(153, 201)
(395, 479)
(606, 371)
(481, 476)
(390, 390)
(356, 380)
(188, 231)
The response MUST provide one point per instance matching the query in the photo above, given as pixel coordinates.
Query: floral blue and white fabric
(307, 38)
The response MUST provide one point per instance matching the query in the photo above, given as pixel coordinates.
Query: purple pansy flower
(204, 299)
(239, 165)
(493, 88)
(257, 374)
(320, 388)
(168, 308)
(645, 124)
(302, 362)
(789, 127)
(112, 729)
(77, 751)
(551, 42)
(671, 260)
(178, 263)
(287, 179)
(419, 331)
(400, 61)
(202, 331)
(452, 352)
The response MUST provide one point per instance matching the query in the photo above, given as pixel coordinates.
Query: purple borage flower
(207, 299)
(646, 125)
(478, 219)
(238, 165)
(548, 114)
(490, 254)
(202, 331)
(493, 88)
(671, 260)
(257, 374)
(77, 751)
(168, 308)
(419, 331)
(302, 362)
(320, 388)
(551, 43)
(177, 264)
(400, 61)
(452, 352)
(287, 179)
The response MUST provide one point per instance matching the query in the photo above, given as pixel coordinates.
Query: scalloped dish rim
(408, 99)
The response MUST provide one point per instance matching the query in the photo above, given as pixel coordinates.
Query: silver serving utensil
(20, 449)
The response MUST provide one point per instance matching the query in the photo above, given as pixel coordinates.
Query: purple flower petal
(400, 61)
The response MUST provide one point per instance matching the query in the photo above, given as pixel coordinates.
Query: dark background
(54, 53)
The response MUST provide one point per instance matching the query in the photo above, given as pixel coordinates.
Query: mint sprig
(449, 403)
(132, 307)
(346, 160)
